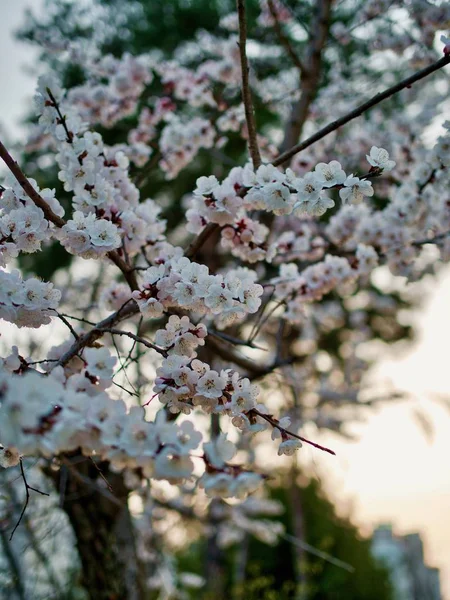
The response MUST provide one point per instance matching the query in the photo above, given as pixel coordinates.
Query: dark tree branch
(246, 93)
(27, 498)
(136, 338)
(28, 188)
(357, 112)
(286, 432)
(127, 310)
(310, 75)
(200, 239)
(283, 39)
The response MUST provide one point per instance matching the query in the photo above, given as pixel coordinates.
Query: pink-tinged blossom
(379, 158)
(355, 190)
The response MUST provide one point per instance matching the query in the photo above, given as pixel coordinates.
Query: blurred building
(412, 579)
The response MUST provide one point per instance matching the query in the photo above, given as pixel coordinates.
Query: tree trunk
(298, 522)
(103, 529)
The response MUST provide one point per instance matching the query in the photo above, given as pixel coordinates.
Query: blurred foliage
(272, 572)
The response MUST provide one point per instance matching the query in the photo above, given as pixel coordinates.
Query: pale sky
(17, 84)
(393, 473)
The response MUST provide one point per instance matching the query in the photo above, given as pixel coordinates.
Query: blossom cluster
(269, 189)
(69, 409)
(114, 88)
(107, 213)
(65, 406)
(59, 418)
(23, 226)
(180, 336)
(180, 283)
(26, 303)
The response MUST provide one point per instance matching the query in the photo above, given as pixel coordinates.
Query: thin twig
(108, 485)
(246, 93)
(283, 39)
(126, 310)
(68, 325)
(62, 118)
(255, 370)
(235, 341)
(357, 112)
(136, 338)
(286, 432)
(200, 239)
(27, 497)
(142, 177)
(92, 484)
(319, 553)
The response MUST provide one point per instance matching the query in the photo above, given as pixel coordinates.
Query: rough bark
(103, 529)
(309, 76)
(215, 559)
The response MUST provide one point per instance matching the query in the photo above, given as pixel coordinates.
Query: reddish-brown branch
(310, 75)
(357, 112)
(200, 239)
(39, 201)
(284, 431)
(28, 188)
(246, 93)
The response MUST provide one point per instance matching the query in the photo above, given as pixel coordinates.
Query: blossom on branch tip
(379, 158)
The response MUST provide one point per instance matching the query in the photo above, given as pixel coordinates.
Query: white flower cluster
(107, 210)
(23, 226)
(221, 479)
(183, 383)
(113, 88)
(193, 87)
(89, 237)
(137, 149)
(246, 239)
(311, 284)
(180, 142)
(272, 190)
(26, 303)
(183, 284)
(180, 336)
(300, 243)
(416, 209)
(42, 416)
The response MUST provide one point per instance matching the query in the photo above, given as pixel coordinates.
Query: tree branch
(246, 93)
(284, 431)
(200, 239)
(283, 39)
(136, 338)
(28, 188)
(309, 76)
(357, 112)
(27, 498)
(127, 310)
